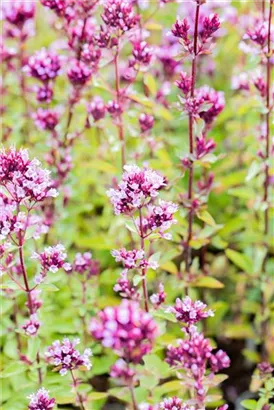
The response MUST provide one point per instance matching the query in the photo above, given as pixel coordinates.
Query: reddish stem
(75, 388)
(191, 141)
(119, 123)
(144, 281)
(267, 120)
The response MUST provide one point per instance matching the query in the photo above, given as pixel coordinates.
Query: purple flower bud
(119, 15)
(46, 119)
(44, 65)
(79, 73)
(210, 25)
(97, 108)
(184, 84)
(146, 122)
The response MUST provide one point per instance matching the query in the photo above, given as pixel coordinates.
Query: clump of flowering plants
(135, 204)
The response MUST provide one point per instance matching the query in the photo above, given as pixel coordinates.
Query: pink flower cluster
(126, 329)
(18, 12)
(157, 299)
(79, 73)
(134, 259)
(138, 187)
(41, 400)
(146, 122)
(85, 265)
(209, 26)
(65, 357)
(159, 218)
(121, 370)
(195, 354)
(124, 287)
(174, 403)
(52, 259)
(190, 312)
(46, 119)
(97, 108)
(32, 325)
(119, 14)
(24, 179)
(44, 65)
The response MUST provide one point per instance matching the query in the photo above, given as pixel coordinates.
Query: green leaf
(154, 364)
(150, 82)
(48, 287)
(97, 396)
(169, 267)
(208, 282)
(13, 369)
(206, 217)
(249, 404)
(253, 171)
(33, 347)
(240, 260)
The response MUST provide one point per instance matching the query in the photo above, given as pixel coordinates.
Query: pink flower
(141, 52)
(18, 12)
(36, 303)
(91, 56)
(44, 65)
(157, 299)
(258, 34)
(124, 287)
(134, 259)
(181, 30)
(146, 122)
(32, 325)
(260, 84)
(174, 403)
(119, 14)
(265, 368)
(204, 147)
(137, 187)
(159, 218)
(114, 108)
(44, 93)
(85, 265)
(184, 84)
(215, 100)
(51, 260)
(219, 361)
(58, 6)
(195, 354)
(46, 119)
(64, 356)
(126, 329)
(240, 82)
(121, 370)
(79, 73)
(24, 179)
(210, 25)
(41, 400)
(190, 312)
(97, 108)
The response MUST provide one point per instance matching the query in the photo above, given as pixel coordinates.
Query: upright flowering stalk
(258, 40)
(199, 104)
(66, 358)
(129, 332)
(194, 355)
(134, 197)
(18, 25)
(24, 187)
